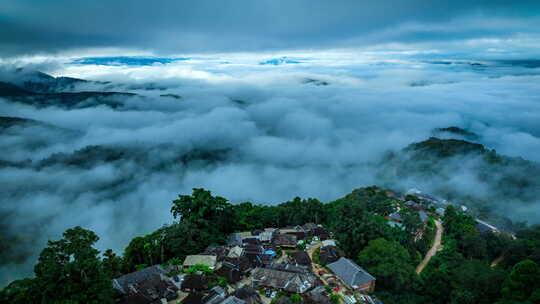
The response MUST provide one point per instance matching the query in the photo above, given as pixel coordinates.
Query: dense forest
(71, 270)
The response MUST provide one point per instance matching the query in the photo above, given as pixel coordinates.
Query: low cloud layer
(245, 131)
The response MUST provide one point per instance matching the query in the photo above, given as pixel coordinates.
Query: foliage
(199, 268)
(523, 282)
(296, 298)
(389, 262)
(316, 256)
(71, 270)
(68, 271)
(112, 263)
(356, 227)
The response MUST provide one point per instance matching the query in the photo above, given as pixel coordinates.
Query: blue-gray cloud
(30, 26)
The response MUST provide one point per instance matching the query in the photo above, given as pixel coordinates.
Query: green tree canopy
(69, 270)
(523, 282)
(389, 262)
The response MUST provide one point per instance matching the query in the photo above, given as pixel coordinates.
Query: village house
(148, 285)
(233, 300)
(239, 237)
(320, 232)
(266, 236)
(231, 272)
(394, 217)
(221, 252)
(352, 275)
(484, 227)
(285, 240)
(318, 295)
(326, 243)
(216, 295)
(200, 259)
(296, 282)
(300, 258)
(329, 254)
(248, 295)
(423, 216)
(194, 283)
(235, 252)
(193, 298)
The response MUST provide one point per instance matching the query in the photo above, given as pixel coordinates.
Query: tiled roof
(208, 260)
(233, 300)
(121, 283)
(350, 273)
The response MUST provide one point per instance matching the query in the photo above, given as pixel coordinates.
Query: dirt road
(433, 250)
(497, 261)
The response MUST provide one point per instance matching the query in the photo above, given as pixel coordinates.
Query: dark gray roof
(350, 273)
(289, 281)
(423, 216)
(216, 295)
(288, 267)
(309, 226)
(121, 283)
(395, 216)
(233, 300)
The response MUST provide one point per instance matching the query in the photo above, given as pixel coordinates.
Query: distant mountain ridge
(42, 90)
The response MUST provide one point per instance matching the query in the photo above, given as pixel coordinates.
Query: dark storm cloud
(208, 26)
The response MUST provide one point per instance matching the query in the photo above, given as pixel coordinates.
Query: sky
(256, 101)
(475, 27)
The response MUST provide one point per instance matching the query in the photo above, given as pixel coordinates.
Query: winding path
(433, 250)
(497, 261)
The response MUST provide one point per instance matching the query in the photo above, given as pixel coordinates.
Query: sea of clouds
(309, 126)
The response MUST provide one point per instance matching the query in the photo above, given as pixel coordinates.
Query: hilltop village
(293, 264)
(371, 246)
(271, 265)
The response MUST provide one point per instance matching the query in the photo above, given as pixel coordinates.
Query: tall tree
(205, 211)
(69, 270)
(523, 283)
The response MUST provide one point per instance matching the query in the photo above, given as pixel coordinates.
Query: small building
(256, 231)
(199, 259)
(146, 286)
(283, 280)
(320, 232)
(194, 283)
(238, 238)
(266, 236)
(220, 252)
(329, 254)
(353, 275)
(440, 211)
(300, 235)
(216, 295)
(329, 243)
(285, 240)
(230, 272)
(300, 258)
(318, 295)
(484, 227)
(423, 216)
(248, 295)
(235, 252)
(233, 300)
(308, 227)
(193, 298)
(395, 217)
(123, 283)
(349, 299)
